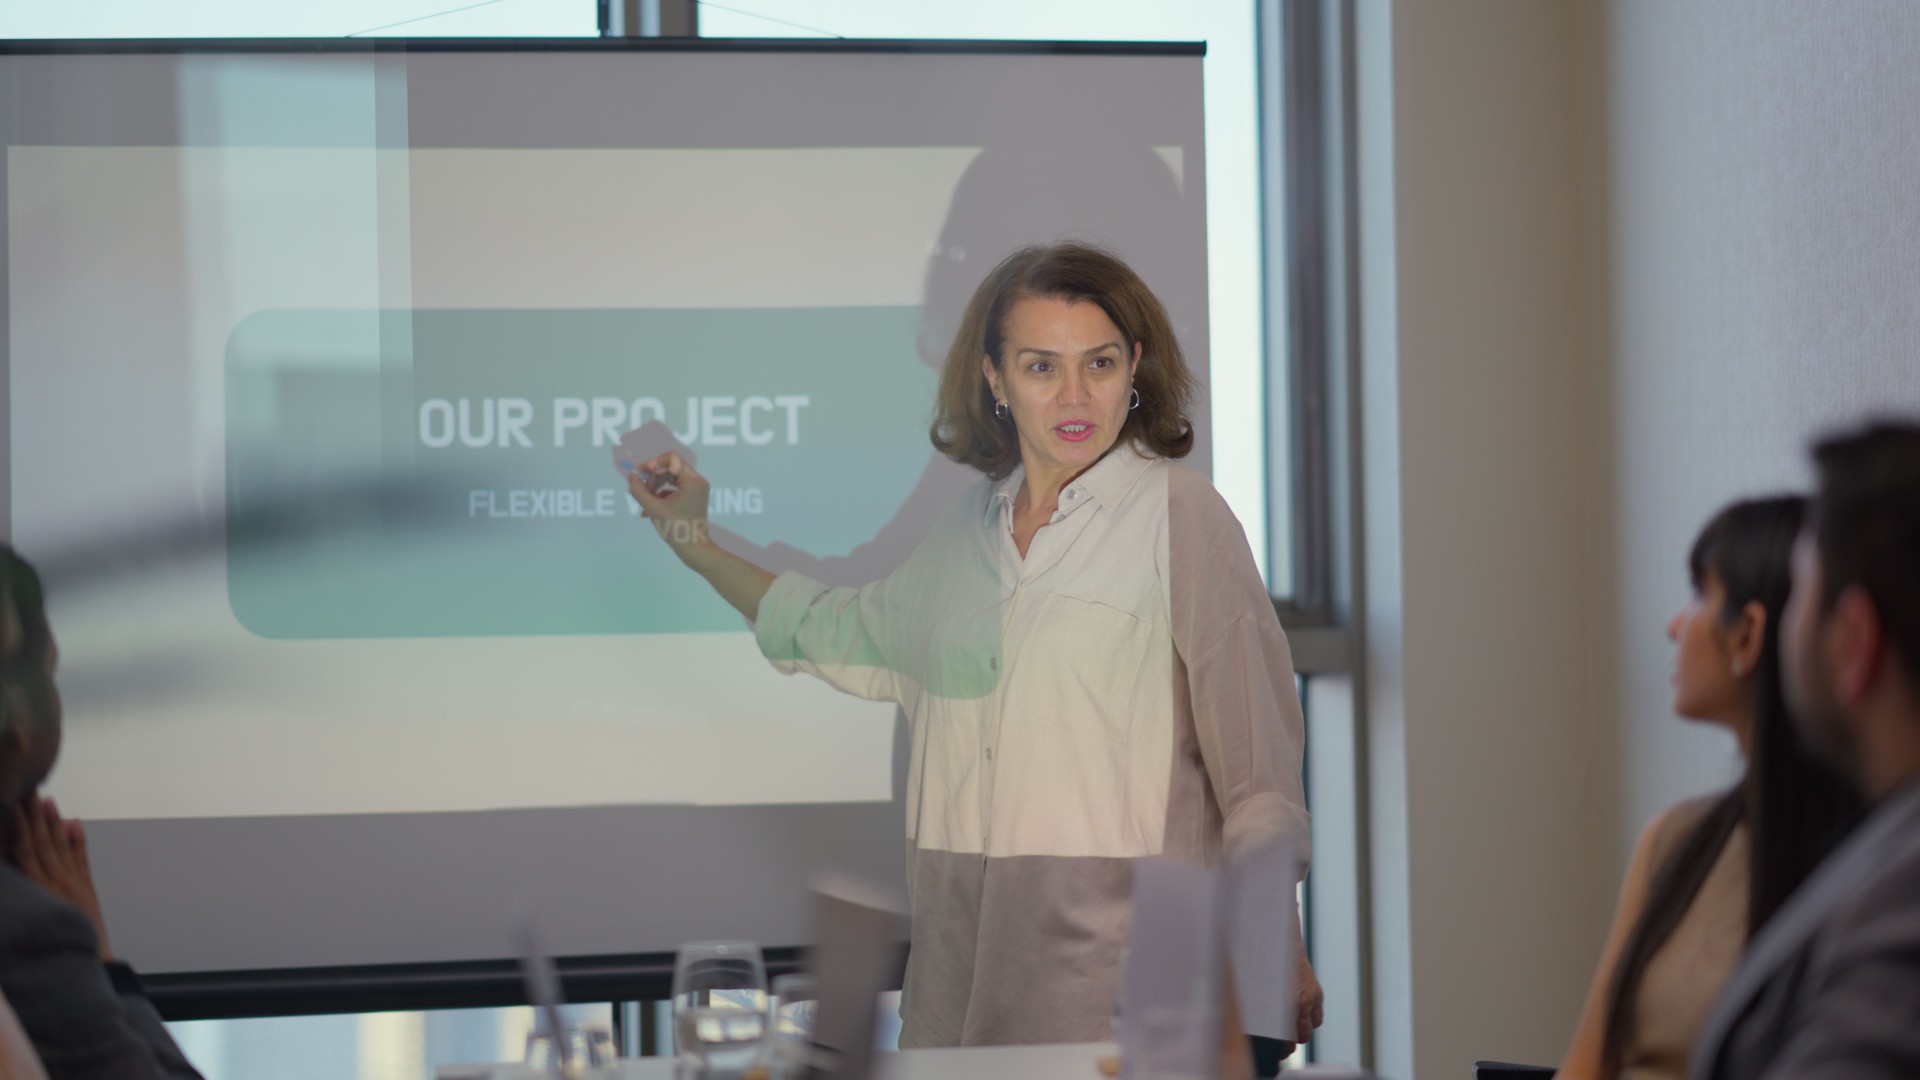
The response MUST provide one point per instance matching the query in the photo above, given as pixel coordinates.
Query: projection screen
(316, 356)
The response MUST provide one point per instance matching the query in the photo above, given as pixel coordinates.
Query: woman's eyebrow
(1030, 350)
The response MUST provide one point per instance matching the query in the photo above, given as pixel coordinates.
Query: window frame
(1311, 234)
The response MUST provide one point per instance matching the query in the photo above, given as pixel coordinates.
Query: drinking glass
(719, 1004)
(795, 1002)
(588, 1049)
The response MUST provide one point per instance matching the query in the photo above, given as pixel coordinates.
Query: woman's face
(1706, 685)
(1068, 378)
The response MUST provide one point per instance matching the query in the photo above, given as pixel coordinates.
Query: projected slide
(315, 357)
(810, 420)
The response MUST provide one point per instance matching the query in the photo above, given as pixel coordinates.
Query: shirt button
(993, 663)
(1070, 496)
(989, 753)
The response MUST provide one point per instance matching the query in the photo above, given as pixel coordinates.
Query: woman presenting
(1087, 657)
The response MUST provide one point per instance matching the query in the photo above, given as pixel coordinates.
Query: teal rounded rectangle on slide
(416, 473)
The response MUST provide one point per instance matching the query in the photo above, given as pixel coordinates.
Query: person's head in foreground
(1853, 625)
(1062, 352)
(29, 704)
(1727, 672)
(82, 1009)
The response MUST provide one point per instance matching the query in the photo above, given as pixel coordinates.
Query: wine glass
(719, 1004)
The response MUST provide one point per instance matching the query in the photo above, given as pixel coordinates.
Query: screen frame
(195, 46)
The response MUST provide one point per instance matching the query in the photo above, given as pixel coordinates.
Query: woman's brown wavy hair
(964, 426)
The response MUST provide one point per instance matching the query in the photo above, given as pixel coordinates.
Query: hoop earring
(1000, 410)
(1136, 401)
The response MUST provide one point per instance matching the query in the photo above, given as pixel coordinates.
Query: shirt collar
(1106, 483)
(1003, 493)
(1112, 476)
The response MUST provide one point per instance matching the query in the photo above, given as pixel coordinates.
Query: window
(368, 1046)
(1233, 170)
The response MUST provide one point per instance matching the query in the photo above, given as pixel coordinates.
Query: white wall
(1624, 258)
(1488, 898)
(1764, 270)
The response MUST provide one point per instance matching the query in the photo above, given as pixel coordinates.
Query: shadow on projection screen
(365, 328)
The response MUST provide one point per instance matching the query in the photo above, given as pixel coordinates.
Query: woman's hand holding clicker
(674, 497)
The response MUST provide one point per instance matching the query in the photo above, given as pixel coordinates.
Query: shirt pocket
(1079, 668)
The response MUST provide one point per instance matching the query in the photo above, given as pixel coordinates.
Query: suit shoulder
(1884, 913)
(34, 920)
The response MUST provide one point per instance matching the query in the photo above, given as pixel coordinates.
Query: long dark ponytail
(1795, 808)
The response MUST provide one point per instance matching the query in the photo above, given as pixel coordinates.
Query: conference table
(1076, 1061)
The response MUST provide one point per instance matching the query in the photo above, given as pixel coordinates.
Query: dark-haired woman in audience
(1709, 873)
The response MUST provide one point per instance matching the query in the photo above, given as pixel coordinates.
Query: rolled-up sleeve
(1247, 718)
(840, 635)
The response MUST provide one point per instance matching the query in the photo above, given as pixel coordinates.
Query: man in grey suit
(1830, 988)
(82, 1009)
